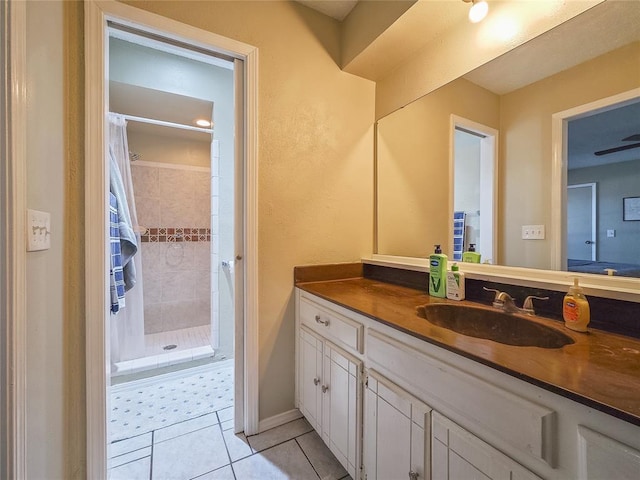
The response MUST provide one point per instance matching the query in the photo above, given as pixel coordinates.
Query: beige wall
(55, 407)
(413, 167)
(315, 189)
(525, 159)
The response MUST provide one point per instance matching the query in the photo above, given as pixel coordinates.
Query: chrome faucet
(505, 302)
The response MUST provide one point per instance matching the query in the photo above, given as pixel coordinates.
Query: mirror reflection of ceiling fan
(632, 138)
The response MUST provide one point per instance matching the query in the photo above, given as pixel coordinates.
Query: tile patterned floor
(205, 448)
(145, 405)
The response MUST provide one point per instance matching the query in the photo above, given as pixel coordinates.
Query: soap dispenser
(455, 283)
(471, 256)
(575, 308)
(437, 273)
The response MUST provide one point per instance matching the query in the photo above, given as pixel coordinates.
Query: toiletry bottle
(438, 273)
(455, 283)
(471, 256)
(575, 308)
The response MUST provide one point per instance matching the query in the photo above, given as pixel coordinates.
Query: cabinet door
(340, 406)
(603, 457)
(459, 454)
(396, 432)
(310, 378)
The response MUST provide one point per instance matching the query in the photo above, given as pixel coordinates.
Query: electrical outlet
(533, 232)
(38, 230)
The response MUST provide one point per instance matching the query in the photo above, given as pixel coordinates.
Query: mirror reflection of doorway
(473, 157)
(598, 142)
(581, 222)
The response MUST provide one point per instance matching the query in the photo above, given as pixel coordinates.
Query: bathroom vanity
(395, 396)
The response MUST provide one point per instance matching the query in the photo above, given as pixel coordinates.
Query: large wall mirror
(581, 78)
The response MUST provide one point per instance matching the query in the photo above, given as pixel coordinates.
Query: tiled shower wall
(174, 205)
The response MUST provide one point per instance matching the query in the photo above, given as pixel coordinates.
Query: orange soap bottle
(575, 309)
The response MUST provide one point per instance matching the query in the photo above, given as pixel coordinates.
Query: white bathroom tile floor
(204, 446)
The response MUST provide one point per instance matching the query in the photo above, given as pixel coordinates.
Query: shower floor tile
(183, 339)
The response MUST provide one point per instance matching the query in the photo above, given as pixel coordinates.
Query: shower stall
(180, 183)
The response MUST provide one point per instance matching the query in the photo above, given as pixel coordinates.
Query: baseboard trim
(279, 419)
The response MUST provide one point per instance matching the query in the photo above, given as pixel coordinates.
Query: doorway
(473, 200)
(101, 17)
(171, 175)
(594, 142)
(581, 222)
(171, 114)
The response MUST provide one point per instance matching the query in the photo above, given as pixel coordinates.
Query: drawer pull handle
(324, 389)
(323, 322)
(316, 381)
(413, 475)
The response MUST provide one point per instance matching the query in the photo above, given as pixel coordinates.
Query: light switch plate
(533, 232)
(38, 230)
(611, 233)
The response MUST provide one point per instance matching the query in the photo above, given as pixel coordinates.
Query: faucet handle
(499, 299)
(527, 306)
(497, 292)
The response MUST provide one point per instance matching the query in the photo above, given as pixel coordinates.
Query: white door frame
(559, 157)
(13, 190)
(97, 14)
(488, 178)
(594, 232)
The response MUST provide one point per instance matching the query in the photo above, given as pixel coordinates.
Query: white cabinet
(461, 419)
(396, 432)
(602, 457)
(330, 396)
(310, 374)
(457, 454)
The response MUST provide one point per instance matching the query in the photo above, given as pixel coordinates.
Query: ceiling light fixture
(478, 10)
(203, 123)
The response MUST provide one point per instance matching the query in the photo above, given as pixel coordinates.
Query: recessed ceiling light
(203, 123)
(478, 10)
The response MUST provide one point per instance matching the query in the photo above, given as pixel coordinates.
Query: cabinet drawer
(333, 326)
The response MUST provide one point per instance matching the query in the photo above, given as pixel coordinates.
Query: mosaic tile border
(176, 234)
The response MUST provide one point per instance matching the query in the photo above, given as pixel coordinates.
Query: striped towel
(116, 274)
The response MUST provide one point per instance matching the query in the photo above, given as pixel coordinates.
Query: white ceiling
(603, 131)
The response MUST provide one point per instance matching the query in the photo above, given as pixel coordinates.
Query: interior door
(581, 234)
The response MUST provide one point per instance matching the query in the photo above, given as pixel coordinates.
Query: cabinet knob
(323, 322)
(413, 475)
(316, 381)
(324, 388)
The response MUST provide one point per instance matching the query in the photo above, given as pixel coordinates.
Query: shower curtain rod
(152, 121)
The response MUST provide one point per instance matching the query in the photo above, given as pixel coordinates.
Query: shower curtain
(127, 327)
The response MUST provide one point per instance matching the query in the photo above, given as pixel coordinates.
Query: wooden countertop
(600, 370)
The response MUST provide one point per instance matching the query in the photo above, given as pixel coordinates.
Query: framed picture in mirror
(630, 209)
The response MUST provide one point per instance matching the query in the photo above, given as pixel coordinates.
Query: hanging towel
(128, 240)
(459, 219)
(116, 274)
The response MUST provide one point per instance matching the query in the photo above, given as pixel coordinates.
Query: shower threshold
(169, 358)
